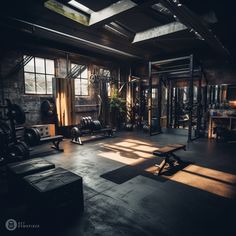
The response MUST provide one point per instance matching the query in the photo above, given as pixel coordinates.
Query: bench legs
(176, 158)
(56, 146)
(167, 161)
(77, 140)
(161, 166)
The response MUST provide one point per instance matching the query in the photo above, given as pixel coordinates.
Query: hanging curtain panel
(65, 100)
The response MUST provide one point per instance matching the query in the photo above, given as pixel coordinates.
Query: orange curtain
(65, 100)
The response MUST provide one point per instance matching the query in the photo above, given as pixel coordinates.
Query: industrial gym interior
(117, 118)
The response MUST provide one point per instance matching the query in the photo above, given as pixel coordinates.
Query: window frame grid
(80, 79)
(39, 73)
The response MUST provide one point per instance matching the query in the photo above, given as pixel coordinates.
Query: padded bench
(55, 190)
(55, 140)
(167, 152)
(16, 171)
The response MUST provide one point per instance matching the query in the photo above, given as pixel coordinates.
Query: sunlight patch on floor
(137, 142)
(206, 179)
(117, 156)
(218, 175)
(125, 144)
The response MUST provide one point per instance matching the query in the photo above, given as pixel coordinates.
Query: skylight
(78, 16)
(80, 6)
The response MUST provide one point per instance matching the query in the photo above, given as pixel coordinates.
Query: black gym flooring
(124, 197)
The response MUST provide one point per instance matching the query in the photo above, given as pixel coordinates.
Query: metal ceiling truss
(191, 20)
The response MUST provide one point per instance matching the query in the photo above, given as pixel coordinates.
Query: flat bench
(167, 152)
(55, 140)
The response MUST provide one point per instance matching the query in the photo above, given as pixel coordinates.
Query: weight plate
(32, 136)
(75, 132)
(85, 122)
(96, 125)
(89, 122)
(28, 137)
(38, 135)
(82, 122)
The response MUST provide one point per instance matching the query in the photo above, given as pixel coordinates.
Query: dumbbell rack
(89, 127)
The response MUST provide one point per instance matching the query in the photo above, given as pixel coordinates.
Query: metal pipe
(170, 60)
(190, 99)
(150, 98)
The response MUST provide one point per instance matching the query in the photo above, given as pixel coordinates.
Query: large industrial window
(38, 74)
(81, 80)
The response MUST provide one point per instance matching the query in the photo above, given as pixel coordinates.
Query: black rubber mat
(121, 174)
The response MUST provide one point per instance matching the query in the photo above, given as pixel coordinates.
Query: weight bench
(55, 140)
(167, 152)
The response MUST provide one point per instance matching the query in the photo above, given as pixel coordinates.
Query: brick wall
(14, 89)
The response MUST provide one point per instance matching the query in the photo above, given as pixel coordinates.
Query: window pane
(49, 84)
(39, 64)
(40, 84)
(29, 67)
(77, 87)
(84, 82)
(84, 73)
(29, 83)
(50, 67)
(84, 89)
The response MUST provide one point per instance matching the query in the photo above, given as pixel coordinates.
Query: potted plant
(117, 109)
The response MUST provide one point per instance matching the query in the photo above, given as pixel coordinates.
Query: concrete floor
(196, 200)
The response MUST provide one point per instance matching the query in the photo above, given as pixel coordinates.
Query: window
(38, 74)
(81, 80)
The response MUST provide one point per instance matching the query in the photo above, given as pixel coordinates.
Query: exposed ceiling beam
(193, 22)
(159, 31)
(111, 11)
(79, 40)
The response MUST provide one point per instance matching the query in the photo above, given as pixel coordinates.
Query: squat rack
(167, 71)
